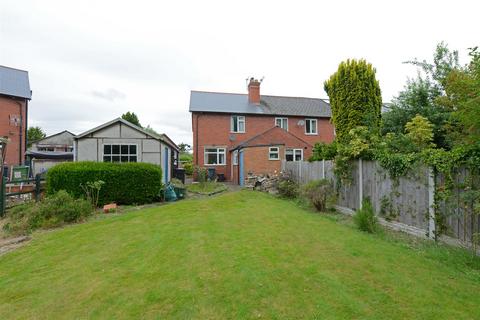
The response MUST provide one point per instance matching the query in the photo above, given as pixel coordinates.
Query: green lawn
(239, 255)
(207, 187)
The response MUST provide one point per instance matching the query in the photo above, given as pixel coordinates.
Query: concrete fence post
(431, 203)
(360, 183)
(323, 168)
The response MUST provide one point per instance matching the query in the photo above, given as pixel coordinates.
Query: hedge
(125, 183)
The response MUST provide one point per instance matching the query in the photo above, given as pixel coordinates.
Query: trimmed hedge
(125, 183)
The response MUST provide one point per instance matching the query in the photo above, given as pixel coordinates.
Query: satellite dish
(300, 123)
(232, 137)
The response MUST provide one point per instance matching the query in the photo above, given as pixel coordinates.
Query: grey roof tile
(201, 101)
(14, 82)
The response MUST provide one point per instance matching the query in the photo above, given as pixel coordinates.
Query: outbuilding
(121, 141)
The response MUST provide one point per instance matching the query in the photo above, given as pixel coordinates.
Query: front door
(166, 168)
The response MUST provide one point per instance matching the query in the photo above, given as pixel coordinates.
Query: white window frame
(271, 152)
(120, 154)
(235, 158)
(281, 121)
(294, 152)
(220, 150)
(316, 127)
(240, 119)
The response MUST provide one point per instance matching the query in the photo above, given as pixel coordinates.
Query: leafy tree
(34, 134)
(355, 97)
(132, 118)
(423, 95)
(184, 147)
(463, 97)
(420, 131)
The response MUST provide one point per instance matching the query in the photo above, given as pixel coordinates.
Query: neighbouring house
(49, 151)
(121, 141)
(15, 95)
(241, 134)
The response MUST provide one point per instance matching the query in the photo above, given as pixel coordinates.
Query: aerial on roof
(14, 82)
(201, 101)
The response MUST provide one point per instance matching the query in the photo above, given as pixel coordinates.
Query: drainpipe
(20, 133)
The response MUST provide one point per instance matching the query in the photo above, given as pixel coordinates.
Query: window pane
(221, 158)
(289, 155)
(278, 122)
(211, 150)
(307, 126)
(107, 159)
(124, 149)
(115, 149)
(133, 158)
(124, 158)
(298, 155)
(314, 126)
(234, 124)
(241, 126)
(133, 149)
(211, 158)
(115, 159)
(107, 149)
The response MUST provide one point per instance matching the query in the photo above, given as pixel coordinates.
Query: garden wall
(407, 203)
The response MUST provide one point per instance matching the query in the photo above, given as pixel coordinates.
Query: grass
(239, 255)
(207, 188)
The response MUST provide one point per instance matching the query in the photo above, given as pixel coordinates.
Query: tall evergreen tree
(355, 97)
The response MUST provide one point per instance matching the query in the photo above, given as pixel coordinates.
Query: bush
(125, 183)
(188, 166)
(318, 193)
(55, 210)
(287, 187)
(201, 174)
(365, 218)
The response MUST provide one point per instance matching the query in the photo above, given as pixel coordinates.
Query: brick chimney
(254, 91)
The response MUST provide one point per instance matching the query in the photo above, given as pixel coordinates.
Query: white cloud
(146, 56)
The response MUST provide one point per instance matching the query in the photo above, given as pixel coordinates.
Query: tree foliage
(420, 131)
(423, 95)
(355, 97)
(132, 118)
(34, 134)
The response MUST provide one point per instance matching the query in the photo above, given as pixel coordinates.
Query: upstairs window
(119, 153)
(237, 124)
(214, 156)
(282, 123)
(311, 126)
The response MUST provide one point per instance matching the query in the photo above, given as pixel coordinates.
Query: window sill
(237, 131)
(274, 159)
(214, 165)
(311, 134)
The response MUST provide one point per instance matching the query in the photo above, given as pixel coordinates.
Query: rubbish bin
(211, 174)
(170, 194)
(179, 173)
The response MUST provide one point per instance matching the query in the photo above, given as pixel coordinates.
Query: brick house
(15, 94)
(239, 134)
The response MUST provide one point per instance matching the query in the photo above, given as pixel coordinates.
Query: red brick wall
(11, 107)
(214, 131)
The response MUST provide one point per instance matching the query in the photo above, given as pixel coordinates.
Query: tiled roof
(14, 82)
(274, 136)
(201, 101)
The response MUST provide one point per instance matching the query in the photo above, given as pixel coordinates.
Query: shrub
(365, 218)
(318, 193)
(287, 187)
(55, 210)
(188, 166)
(125, 183)
(201, 174)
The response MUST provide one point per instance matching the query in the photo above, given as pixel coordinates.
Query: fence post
(360, 183)
(431, 203)
(299, 171)
(323, 168)
(37, 187)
